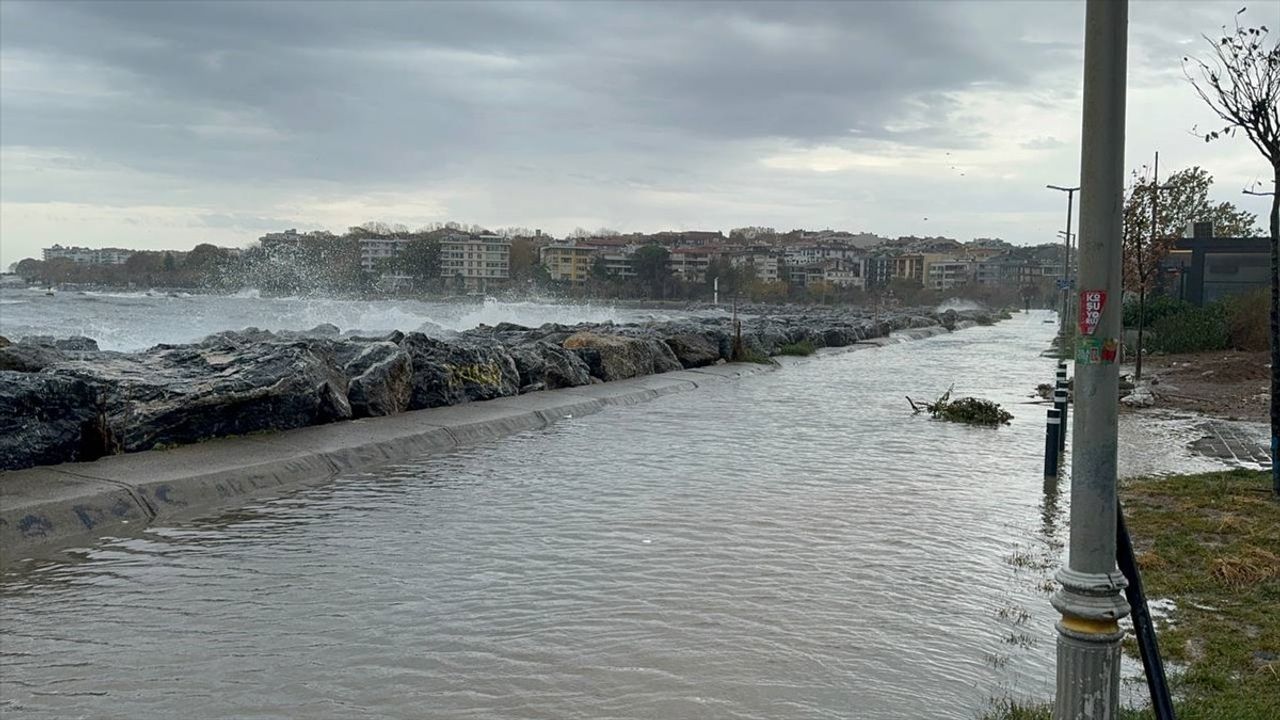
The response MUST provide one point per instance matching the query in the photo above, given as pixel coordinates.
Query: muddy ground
(1227, 384)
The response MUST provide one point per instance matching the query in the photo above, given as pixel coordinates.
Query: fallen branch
(968, 410)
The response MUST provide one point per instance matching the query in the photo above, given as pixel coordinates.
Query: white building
(375, 249)
(766, 264)
(817, 252)
(690, 264)
(479, 260)
(947, 274)
(88, 256)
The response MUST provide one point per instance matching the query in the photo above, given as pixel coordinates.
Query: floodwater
(791, 545)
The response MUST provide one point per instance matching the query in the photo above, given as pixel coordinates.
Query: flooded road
(792, 545)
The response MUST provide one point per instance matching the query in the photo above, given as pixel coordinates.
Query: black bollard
(1051, 443)
(1060, 403)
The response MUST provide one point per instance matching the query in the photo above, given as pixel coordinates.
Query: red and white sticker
(1091, 304)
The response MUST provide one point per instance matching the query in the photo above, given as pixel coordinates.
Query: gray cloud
(397, 90)
(638, 114)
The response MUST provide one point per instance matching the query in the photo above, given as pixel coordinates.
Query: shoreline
(49, 508)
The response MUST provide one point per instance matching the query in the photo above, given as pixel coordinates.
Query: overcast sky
(165, 125)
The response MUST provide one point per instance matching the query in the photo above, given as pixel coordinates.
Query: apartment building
(766, 264)
(88, 256)
(477, 261)
(568, 261)
(376, 249)
(947, 273)
(691, 263)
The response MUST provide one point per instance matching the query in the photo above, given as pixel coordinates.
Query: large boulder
(181, 394)
(617, 357)
(29, 357)
(546, 366)
(458, 370)
(696, 348)
(379, 380)
(77, 343)
(839, 336)
(47, 419)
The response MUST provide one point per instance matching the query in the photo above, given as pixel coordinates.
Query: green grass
(804, 348)
(1211, 543)
(750, 355)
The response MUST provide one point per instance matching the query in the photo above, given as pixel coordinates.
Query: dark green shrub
(1193, 330)
(1158, 307)
(801, 349)
(1248, 317)
(750, 355)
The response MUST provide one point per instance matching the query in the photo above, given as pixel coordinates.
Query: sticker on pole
(1091, 304)
(1097, 351)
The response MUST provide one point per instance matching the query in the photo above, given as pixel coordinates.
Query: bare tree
(1240, 81)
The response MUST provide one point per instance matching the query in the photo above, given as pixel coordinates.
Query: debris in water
(968, 410)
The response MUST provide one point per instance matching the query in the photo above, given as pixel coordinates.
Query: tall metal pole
(1064, 327)
(1142, 268)
(1088, 677)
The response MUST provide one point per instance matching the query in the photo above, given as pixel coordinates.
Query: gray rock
(546, 366)
(188, 393)
(29, 357)
(379, 380)
(46, 419)
(617, 357)
(325, 330)
(77, 343)
(457, 371)
(695, 349)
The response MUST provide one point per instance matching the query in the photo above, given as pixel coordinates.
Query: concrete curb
(44, 509)
(50, 508)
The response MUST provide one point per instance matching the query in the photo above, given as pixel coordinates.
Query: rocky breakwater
(64, 400)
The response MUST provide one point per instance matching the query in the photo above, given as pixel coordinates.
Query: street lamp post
(1064, 328)
(1090, 600)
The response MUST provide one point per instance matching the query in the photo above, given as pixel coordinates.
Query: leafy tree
(1240, 82)
(600, 269)
(1183, 198)
(29, 269)
(420, 258)
(523, 258)
(653, 270)
(752, 233)
(169, 264)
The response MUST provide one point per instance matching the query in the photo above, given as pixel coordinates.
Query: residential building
(690, 264)
(765, 263)
(817, 252)
(846, 273)
(946, 273)
(992, 270)
(479, 261)
(617, 254)
(568, 261)
(88, 256)
(908, 267)
(684, 238)
(835, 272)
(374, 250)
(879, 270)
